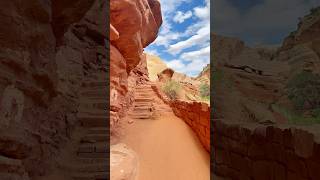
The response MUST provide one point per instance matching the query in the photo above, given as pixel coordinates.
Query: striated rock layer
(134, 25)
(48, 48)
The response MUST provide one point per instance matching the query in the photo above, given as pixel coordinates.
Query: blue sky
(259, 22)
(184, 38)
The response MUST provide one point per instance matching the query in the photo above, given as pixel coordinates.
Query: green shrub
(171, 89)
(304, 90)
(204, 91)
(295, 117)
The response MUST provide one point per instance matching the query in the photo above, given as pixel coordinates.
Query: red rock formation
(165, 75)
(134, 25)
(48, 48)
(138, 23)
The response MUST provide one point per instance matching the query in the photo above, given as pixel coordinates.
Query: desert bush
(297, 118)
(204, 90)
(171, 89)
(304, 91)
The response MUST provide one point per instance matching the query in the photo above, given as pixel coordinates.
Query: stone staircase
(11, 169)
(90, 159)
(143, 107)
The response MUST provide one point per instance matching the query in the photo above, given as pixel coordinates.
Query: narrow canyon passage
(167, 148)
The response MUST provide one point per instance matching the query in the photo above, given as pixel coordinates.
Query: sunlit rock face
(138, 24)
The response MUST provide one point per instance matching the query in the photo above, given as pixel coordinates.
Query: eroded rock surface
(135, 24)
(123, 162)
(48, 48)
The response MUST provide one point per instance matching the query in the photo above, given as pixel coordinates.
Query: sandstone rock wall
(134, 25)
(195, 114)
(265, 152)
(48, 49)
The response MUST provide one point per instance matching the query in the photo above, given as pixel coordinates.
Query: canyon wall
(134, 25)
(195, 114)
(246, 151)
(252, 138)
(49, 48)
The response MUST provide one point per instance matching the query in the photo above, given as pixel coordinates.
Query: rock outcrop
(250, 87)
(155, 66)
(165, 75)
(135, 25)
(123, 162)
(257, 78)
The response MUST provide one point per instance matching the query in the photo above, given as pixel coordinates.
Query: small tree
(304, 90)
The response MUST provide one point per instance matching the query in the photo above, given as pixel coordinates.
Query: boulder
(124, 163)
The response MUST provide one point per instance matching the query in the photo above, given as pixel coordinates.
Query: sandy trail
(167, 148)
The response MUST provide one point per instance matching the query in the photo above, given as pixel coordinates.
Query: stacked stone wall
(251, 151)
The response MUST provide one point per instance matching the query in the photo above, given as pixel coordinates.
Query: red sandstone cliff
(135, 25)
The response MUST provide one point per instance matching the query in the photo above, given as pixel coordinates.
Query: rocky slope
(155, 65)
(204, 75)
(248, 82)
(189, 91)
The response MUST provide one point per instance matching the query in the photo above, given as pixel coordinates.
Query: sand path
(167, 147)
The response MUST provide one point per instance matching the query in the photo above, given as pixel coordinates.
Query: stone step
(94, 121)
(141, 108)
(93, 160)
(92, 112)
(12, 176)
(86, 168)
(95, 93)
(98, 147)
(142, 104)
(96, 138)
(5, 161)
(142, 91)
(144, 86)
(93, 155)
(11, 169)
(144, 95)
(141, 116)
(98, 84)
(143, 99)
(98, 130)
(93, 104)
(91, 176)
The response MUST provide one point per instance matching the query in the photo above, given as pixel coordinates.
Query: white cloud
(196, 35)
(180, 17)
(152, 52)
(202, 36)
(202, 12)
(176, 65)
(191, 69)
(201, 54)
(192, 62)
(168, 6)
